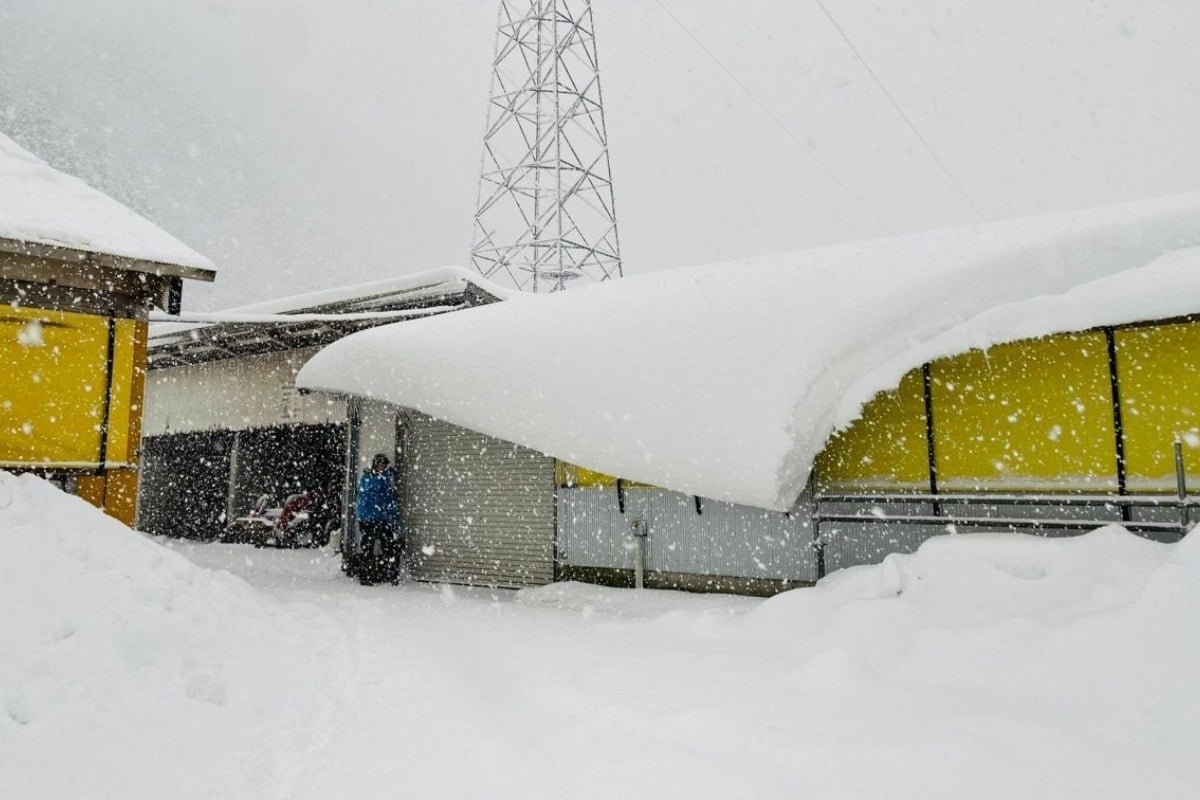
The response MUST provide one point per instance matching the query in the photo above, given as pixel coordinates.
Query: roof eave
(111, 260)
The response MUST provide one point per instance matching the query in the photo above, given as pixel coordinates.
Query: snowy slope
(42, 205)
(726, 380)
(983, 666)
(126, 669)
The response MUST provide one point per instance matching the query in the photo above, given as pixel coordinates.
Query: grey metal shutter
(477, 510)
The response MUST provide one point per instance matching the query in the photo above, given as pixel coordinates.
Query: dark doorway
(185, 483)
(286, 460)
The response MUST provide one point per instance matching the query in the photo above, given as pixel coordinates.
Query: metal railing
(940, 516)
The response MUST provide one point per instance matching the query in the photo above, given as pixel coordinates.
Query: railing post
(640, 532)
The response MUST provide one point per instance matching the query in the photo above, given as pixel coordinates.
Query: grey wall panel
(852, 544)
(476, 510)
(592, 532)
(723, 539)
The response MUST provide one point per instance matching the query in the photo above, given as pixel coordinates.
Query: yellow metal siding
(125, 394)
(52, 399)
(573, 475)
(884, 448)
(91, 488)
(120, 494)
(1029, 415)
(1159, 372)
(52, 394)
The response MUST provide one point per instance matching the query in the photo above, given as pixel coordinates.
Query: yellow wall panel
(1029, 415)
(120, 496)
(91, 488)
(884, 449)
(53, 386)
(1159, 373)
(124, 412)
(573, 475)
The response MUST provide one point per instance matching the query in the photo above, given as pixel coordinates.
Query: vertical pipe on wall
(1110, 341)
(639, 565)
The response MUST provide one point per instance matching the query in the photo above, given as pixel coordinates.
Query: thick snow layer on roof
(435, 281)
(39, 204)
(726, 380)
(343, 302)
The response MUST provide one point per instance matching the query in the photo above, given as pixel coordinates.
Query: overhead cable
(900, 110)
(829, 172)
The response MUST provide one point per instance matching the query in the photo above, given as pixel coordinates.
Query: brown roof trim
(111, 260)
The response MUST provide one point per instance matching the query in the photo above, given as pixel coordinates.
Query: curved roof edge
(726, 380)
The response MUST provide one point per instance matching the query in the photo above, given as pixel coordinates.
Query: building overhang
(68, 279)
(315, 325)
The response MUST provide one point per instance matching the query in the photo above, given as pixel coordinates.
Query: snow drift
(982, 666)
(40, 204)
(124, 663)
(726, 380)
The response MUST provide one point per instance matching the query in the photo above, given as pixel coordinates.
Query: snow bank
(1007, 665)
(40, 204)
(726, 380)
(982, 666)
(589, 599)
(123, 662)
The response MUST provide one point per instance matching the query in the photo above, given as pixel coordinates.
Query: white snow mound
(110, 645)
(726, 380)
(982, 666)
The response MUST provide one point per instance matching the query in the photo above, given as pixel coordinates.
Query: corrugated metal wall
(849, 544)
(723, 539)
(477, 510)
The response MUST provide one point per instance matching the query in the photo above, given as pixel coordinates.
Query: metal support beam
(1114, 382)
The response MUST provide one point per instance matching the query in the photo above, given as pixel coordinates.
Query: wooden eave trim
(70, 255)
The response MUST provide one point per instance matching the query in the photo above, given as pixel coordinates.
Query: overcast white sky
(310, 145)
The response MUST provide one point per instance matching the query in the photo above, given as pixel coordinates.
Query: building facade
(79, 275)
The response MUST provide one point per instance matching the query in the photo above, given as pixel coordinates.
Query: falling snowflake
(31, 334)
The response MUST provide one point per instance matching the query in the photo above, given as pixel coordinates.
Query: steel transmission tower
(546, 215)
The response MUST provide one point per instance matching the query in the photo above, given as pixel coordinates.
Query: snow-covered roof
(726, 380)
(315, 318)
(40, 205)
(351, 299)
(437, 281)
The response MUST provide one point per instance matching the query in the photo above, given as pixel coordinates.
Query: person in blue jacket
(378, 513)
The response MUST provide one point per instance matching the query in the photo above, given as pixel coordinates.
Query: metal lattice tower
(546, 214)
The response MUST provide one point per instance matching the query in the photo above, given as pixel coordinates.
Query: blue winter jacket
(377, 496)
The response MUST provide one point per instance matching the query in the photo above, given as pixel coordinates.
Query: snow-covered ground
(983, 666)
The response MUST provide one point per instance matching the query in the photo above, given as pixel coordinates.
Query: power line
(778, 122)
(900, 110)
